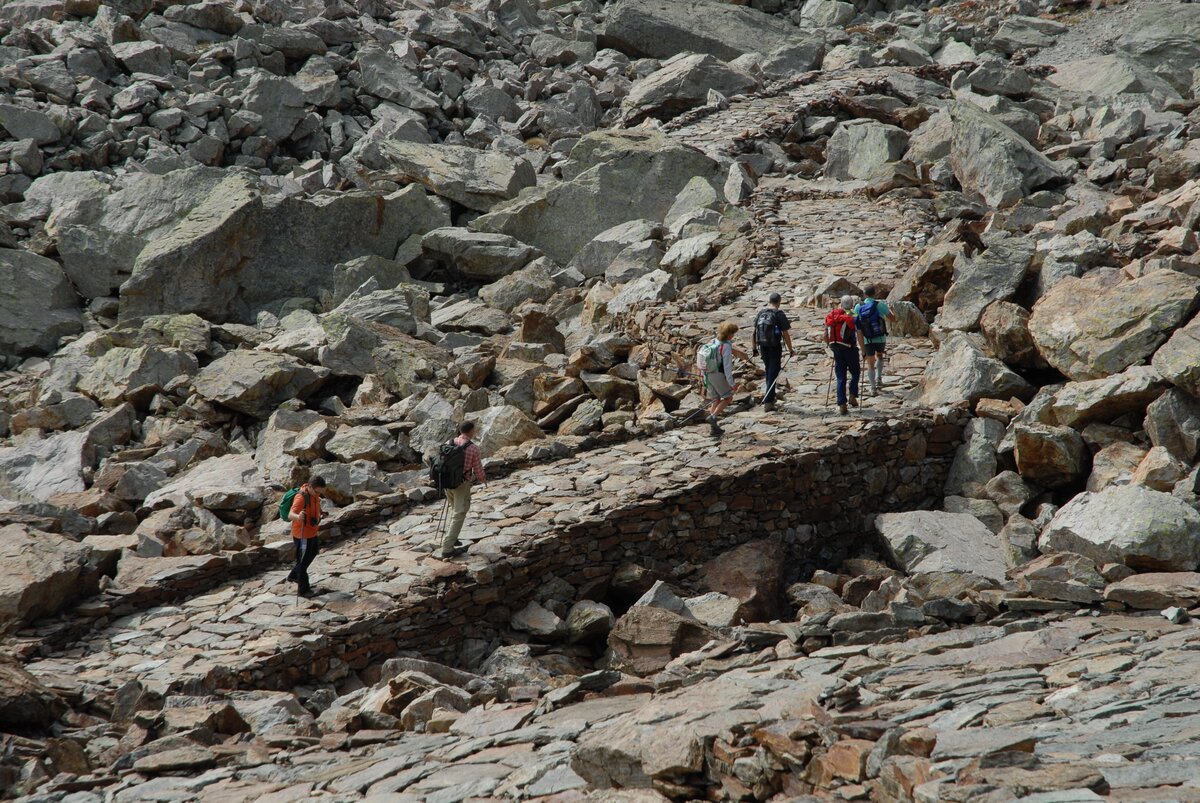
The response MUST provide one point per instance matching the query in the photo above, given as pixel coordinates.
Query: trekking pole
(767, 392)
(441, 521)
(829, 384)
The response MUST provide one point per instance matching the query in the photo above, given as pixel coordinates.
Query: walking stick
(441, 521)
(767, 392)
(829, 384)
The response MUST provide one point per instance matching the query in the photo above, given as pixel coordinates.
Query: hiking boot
(714, 428)
(769, 406)
(454, 552)
(853, 401)
(843, 409)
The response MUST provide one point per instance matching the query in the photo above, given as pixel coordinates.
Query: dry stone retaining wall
(819, 501)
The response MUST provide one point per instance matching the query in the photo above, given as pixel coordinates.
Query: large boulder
(990, 158)
(224, 264)
(35, 469)
(1114, 74)
(936, 541)
(858, 147)
(289, 438)
(1053, 457)
(531, 283)
(645, 639)
(478, 256)
(1165, 38)
(503, 426)
(1005, 327)
(1179, 358)
(929, 277)
(664, 28)
(1173, 422)
(43, 572)
(24, 702)
(975, 461)
(683, 84)
(992, 275)
(474, 178)
(594, 258)
(256, 382)
(1130, 524)
(1077, 404)
(1088, 330)
(37, 304)
(960, 371)
(621, 176)
(205, 240)
(229, 483)
(753, 574)
(122, 373)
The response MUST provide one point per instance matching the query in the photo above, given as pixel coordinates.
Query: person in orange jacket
(306, 520)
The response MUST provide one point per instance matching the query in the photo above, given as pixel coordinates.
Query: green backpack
(285, 504)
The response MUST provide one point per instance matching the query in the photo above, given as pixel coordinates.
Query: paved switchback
(240, 633)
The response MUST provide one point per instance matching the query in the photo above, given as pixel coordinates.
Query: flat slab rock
(933, 541)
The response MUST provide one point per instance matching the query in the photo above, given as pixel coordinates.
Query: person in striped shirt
(460, 497)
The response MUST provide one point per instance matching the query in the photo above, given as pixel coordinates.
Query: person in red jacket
(306, 520)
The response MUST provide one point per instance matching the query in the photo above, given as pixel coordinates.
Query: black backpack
(766, 329)
(447, 468)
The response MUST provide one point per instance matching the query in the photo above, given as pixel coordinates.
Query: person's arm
(298, 512)
(754, 341)
(727, 363)
(785, 327)
(887, 312)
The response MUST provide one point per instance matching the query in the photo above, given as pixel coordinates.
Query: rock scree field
(244, 243)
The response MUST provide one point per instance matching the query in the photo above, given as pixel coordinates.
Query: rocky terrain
(244, 242)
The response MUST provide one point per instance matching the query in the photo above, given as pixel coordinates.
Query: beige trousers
(460, 502)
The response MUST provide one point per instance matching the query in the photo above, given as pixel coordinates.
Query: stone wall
(819, 501)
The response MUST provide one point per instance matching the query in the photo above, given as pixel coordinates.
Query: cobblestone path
(241, 627)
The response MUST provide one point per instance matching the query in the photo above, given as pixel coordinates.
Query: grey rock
(992, 275)
(533, 283)
(990, 158)
(595, 257)
(1114, 74)
(389, 78)
(479, 256)
(120, 373)
(1164, 38)
(255, 382)
(1131, 524)
(23, 123)
(1173, 423)
(857, 148)
(683, 84)
(1122, 325)
(664, 28)
(476, 179)
(827, 13)
(933, 541)
(960, 371)
(37, 305)
(1178, 360)
(622, 176)
(43, 572)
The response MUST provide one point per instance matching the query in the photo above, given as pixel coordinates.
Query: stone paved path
(246, 622)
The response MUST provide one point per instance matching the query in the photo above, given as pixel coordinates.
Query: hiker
(715, 361)
(305, 516)
(771, 333)
(843, 343)
(870, 319)
(459, 498)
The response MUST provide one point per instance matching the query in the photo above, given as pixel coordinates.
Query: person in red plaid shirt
(460, 497)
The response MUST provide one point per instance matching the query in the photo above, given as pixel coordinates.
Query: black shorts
(871, 349)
